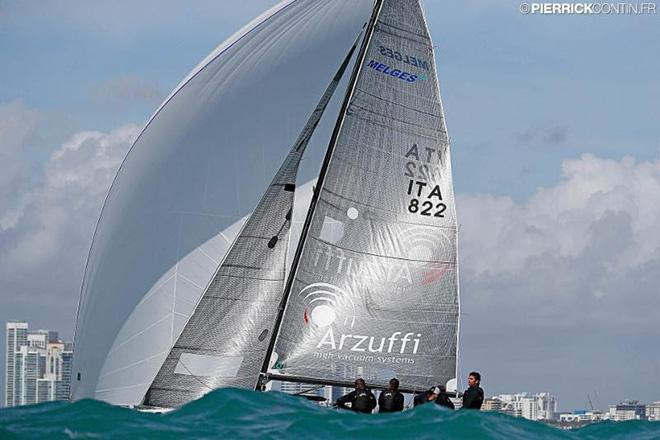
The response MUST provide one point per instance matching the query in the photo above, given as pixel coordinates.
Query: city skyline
(38, 365)
(556, 165)
(50, 370)
(57, 356)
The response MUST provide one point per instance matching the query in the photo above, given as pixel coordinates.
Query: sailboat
(212, 266)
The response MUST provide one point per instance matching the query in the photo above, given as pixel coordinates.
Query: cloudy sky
(555, 133)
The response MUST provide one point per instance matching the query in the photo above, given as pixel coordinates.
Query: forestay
(375, 291)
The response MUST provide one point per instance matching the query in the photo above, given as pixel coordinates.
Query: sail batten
(375, 289)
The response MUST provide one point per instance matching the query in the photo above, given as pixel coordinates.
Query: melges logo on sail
(396, 73)
(399, 73)
(323, 304)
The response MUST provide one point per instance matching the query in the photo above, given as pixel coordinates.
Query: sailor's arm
(343, 400)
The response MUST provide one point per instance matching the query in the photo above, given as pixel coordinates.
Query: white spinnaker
(198, 168)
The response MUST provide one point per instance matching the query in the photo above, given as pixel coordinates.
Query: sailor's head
(394, 384)
(360, 384)
(432, 393)
(474, 379)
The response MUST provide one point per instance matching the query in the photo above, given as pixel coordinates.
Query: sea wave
(234, 413)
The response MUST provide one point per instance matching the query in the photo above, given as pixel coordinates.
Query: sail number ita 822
(426, 200)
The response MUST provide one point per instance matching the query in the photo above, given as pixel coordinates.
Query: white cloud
(52, 230)
(501, 236)
(562, 288)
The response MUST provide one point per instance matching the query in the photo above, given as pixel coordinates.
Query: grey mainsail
(374, 292)
(227, 337)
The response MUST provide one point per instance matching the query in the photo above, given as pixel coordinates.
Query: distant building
(582, 416)
(492, 404)
(653, 411)
(510, 404)
(546, 406)
(540, 406)
(627, 410)
(62, 387)
(38, 365)
(16, 337)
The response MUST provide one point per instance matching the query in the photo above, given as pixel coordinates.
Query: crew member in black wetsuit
(426, 397)
(443, 398)
(473, 397)
(362, 399)
(391, 400)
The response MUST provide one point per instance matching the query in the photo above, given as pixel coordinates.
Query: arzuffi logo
(326, 303)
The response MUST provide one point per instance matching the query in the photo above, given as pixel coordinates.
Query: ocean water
(232, 413)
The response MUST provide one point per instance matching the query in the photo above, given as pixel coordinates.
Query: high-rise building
(30, 365)
(63, 386)
(16, 337)
(540, 406)
(546, 406)
(38, 367)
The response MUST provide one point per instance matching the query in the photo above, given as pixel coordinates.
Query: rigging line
(412, 398)
(308, 390)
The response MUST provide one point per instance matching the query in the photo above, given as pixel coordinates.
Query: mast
(319, 184)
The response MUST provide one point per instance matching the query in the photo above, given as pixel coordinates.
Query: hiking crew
(473, 397)
(443, 398)
(426, 397)
(391, 400)
(362, 400)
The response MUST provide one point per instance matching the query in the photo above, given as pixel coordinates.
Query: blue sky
(509, 80)
(542, 111)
